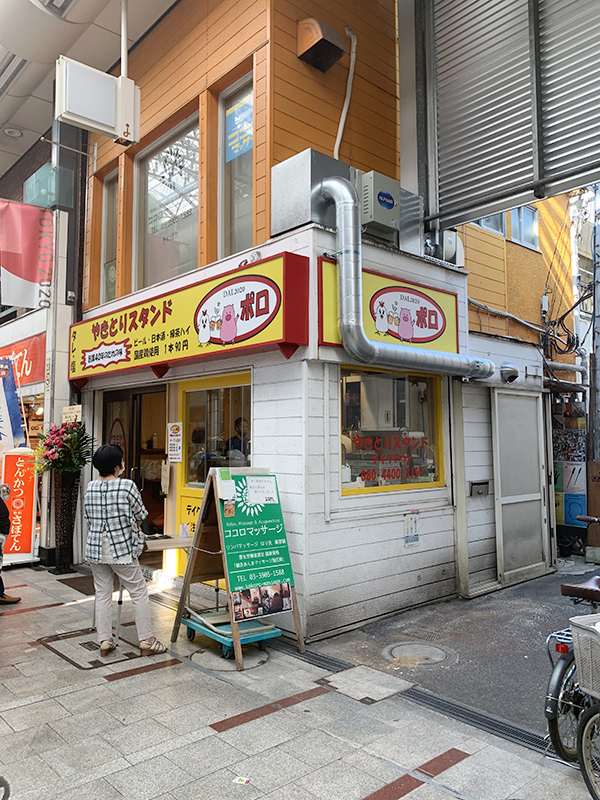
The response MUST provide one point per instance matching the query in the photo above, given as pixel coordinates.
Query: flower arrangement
(64, 448)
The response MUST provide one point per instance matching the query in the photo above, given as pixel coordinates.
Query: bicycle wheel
(588, 749)
(571, 702)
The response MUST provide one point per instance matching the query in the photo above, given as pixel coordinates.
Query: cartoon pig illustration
(204, 327)
(381, 321)
(405, 326)
(229, 325)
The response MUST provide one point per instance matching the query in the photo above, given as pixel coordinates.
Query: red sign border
(419, 294)
(233, 281)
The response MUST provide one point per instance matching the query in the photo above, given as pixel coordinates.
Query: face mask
(121, 471)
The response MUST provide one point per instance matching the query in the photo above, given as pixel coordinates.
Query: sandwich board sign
(240, 536)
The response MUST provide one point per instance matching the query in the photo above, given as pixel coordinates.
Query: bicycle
(565, 701)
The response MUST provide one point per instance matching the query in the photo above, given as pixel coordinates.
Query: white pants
(132, 579)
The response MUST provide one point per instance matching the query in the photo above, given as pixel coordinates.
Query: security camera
(508, 372)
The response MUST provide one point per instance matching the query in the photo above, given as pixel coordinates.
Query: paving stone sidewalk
(186, 725)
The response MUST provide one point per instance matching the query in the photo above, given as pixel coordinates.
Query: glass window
(389, 434)
(237, 169)
(168, 209)
(109, 239)
(217, 426)
(524, 226)
(495, 223)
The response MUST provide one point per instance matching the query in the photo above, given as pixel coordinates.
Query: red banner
(26, 254)
(19, 476)
(28, 357)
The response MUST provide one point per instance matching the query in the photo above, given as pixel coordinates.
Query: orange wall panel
(308, 103)
(194, 48)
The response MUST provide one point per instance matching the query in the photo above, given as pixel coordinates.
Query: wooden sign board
(240, 536)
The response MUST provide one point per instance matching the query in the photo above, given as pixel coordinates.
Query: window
(495, 223)
(168, 208)
(217, 429)
(389, 431)
(237, 169)
(524, 226)
(109, 239)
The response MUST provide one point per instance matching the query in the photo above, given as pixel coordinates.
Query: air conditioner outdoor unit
(96, 101)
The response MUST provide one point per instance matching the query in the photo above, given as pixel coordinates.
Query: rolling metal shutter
(517, 102)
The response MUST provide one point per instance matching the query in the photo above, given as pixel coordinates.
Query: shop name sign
(262, 306)
(393, 311)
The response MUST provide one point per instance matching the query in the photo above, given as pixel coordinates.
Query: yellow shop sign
(393, 311)
(261, 307)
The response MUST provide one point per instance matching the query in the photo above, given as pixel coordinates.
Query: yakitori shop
(242, 364)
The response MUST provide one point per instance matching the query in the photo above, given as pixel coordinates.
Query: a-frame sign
(240, 536)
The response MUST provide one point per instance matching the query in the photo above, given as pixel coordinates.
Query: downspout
(343, 195)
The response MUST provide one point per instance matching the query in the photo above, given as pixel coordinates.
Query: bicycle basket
(586, 644)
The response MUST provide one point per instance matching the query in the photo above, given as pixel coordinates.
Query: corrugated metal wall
(516, 111)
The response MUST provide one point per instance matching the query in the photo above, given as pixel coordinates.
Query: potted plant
(64, 450)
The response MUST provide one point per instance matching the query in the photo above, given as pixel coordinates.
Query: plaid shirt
(112, 508)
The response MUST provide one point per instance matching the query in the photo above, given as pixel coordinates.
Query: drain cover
(420, 654)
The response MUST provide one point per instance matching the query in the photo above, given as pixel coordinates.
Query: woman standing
(114, 512)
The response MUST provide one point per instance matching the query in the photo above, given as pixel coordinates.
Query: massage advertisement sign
(256, 550)
(394, 311)
(19, 475)
(261, 306)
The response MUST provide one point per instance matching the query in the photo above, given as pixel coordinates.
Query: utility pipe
(558, 365)
(124, 39)
(343, 195)
(342, 123)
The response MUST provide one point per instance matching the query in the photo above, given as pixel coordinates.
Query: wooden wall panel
(308, 103)
(196, 47)
(92, 269)
(125, 225)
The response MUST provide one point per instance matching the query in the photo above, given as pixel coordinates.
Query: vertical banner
(11, 427)
(19, 475)
(26, 254)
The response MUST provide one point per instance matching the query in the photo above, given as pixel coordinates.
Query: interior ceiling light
(14, 133)
(58, 7)
(10, 67)
(40, 411)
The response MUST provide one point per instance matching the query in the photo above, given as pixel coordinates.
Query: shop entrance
(136, 421)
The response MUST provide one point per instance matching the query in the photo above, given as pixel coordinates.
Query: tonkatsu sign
(262, 306)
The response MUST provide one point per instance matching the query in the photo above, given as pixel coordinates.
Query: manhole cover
(420, 654)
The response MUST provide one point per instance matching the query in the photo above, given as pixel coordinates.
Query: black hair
(198, 436)
(107, 458)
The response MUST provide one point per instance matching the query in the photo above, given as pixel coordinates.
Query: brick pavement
(185, 725)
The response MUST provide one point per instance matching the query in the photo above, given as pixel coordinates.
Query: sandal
(106, 647)
(152, 647)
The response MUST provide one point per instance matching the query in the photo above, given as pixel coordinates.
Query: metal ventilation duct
(342, 195)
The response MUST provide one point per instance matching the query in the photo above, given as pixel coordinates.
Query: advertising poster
(256, 549)
(239, 129)
(11, 427)
(175, 442)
